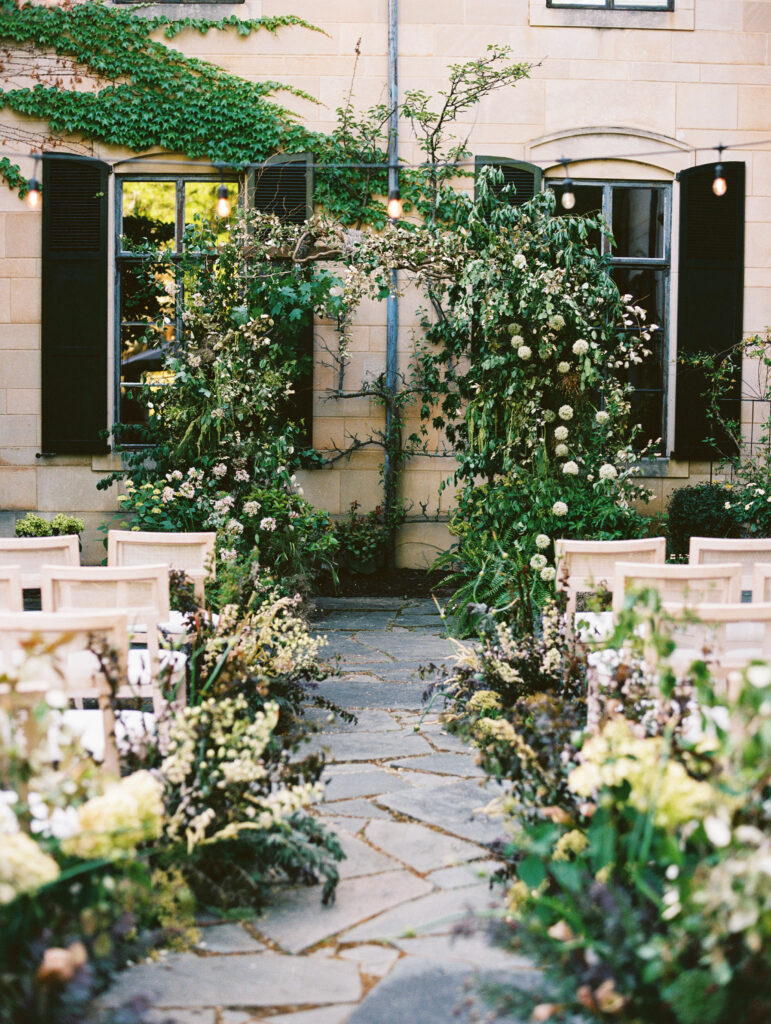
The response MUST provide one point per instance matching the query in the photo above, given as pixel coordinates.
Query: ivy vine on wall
(150, 95)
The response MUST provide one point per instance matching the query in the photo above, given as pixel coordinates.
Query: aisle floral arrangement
(211, 810)
(638, 864)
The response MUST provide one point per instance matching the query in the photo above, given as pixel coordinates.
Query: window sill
(681, 19)
(664, 467)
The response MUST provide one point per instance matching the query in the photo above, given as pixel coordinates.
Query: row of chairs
(191, 553)
(121, 608)
(729, 632)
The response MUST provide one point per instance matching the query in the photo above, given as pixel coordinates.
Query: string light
(568, 197)
(395, 208)
(719, 185)
(34, 194)
(222, 205)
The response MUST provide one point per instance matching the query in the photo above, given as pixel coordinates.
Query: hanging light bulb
(719, 185)
(222, 205)
(34, 194)
(568, 197)
(395, 208)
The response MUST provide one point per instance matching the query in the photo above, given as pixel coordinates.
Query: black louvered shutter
(710, 300)
(283, 189)
(74, 307)
(526, 178)
(286, 190)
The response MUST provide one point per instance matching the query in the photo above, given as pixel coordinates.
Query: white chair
(44, 652)
(727, 636)
(191, 553)
(761, 582)
(32, 553)
(142, 594)
(11, 594)
(586, 566)
(685, 584)
(748, 551)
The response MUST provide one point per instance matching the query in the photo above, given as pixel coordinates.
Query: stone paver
(405, 798)
(263, 979)
(420, 847)
(297, 921)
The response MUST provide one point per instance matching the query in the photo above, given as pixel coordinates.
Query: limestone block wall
(604, 85)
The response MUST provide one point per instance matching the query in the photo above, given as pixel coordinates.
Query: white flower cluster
(561, 433)
(608, 472)
(251, 508)
(268, 524)
(580, 347)
(570, 468)
(565, 412)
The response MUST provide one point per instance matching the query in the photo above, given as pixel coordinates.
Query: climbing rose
(561, 451)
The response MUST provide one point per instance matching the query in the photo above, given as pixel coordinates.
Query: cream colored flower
(565, 412)
(23, 866)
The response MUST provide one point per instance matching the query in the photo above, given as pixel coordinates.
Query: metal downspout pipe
(392, 305)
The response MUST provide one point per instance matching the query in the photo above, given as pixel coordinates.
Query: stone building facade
(626, 90)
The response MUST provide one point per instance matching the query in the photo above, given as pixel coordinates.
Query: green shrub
(33, 526)
(64, 525)
(700, 511)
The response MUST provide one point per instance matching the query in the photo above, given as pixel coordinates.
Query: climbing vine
(150, 95)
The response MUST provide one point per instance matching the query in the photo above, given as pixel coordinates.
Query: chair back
(684, 584)
(76, 669)
(191, 553)
(761, 582)
(140, 592)
(585, 566)
(728, 637)
(748, 551)
(32, 553)
(11, 594)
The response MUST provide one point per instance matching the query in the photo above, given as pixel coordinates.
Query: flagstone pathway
(404, 797)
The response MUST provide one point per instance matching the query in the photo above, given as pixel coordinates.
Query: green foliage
(363, 539)
(748, 453)
(704, 510)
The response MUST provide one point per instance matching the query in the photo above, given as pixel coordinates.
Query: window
(152, 214)
(526, 178)
(638, 215)
(616, 5)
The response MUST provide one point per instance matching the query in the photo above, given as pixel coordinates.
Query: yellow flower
(23, 866)
(125, 815)
(484, 700)
(571, 843)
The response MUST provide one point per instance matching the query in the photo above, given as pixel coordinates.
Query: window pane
(638, 222)
(653, 5)
(149, 213)
(144, 294)
(588, 201)
(200, 206)
(578, 3)
(648, 289)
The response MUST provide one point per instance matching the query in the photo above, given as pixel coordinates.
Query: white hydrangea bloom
(561, 450)
(602, 416)
(268, 523)
(559, 508)
(565, 412)
(608, 472)
(524, 352)
(519, 261)
(580, 347)
(542, 541)
(561, 433)
(563, 367)
(570, 468)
